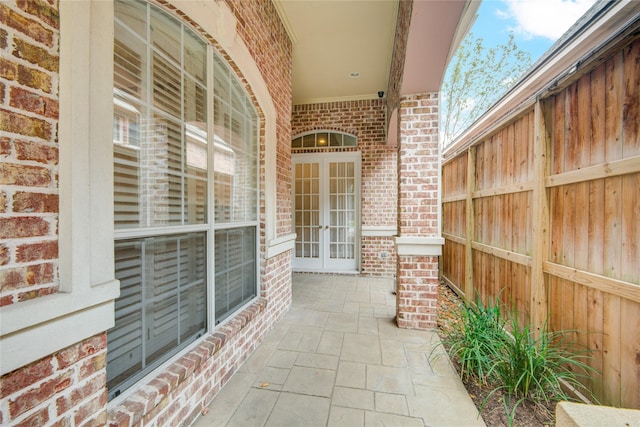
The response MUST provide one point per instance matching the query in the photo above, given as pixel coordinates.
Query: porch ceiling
(333, 39)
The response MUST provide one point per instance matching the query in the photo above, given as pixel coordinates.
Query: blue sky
(536, 24)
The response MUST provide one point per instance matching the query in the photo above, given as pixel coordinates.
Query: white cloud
(545, 18)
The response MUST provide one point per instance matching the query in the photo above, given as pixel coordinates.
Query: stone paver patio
(338, 359)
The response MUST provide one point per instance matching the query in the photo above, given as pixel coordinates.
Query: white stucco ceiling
(334, 38)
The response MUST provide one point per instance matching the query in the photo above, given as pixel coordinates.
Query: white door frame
(325, 264)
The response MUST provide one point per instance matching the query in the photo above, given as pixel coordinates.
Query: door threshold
(343, 272)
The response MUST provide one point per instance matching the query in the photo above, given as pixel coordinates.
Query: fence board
(595, 334)
(558, 134)
(630, 354)
(611, 350)
(598, 117)
(630, 262)
(613, 107)
(582, 131)
(631, 109)
(580, 195)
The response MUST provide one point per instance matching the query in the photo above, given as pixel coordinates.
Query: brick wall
(270, 45)
(28, 150)
(365, 119)
(417, 283)
(68, 388)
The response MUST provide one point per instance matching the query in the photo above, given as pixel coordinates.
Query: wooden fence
(544, 210)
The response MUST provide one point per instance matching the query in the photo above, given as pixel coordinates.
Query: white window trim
(217, 20)
(84, 306)
(34, 329)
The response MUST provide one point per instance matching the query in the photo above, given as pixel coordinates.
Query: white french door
(326, 206)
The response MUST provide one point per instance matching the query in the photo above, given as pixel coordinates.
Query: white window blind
(164, 97)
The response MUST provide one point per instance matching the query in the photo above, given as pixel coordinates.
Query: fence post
(470, 228)
(541, 221)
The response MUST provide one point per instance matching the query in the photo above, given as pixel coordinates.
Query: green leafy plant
(538, 367)
(520, 363)
(476, 339)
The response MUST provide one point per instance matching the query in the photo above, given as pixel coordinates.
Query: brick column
(419, 242)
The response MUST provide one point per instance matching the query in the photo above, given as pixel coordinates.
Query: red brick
(3, 202)
(29, 27)
(20, 277)
(37, 251)
(29, 176)
(24, 125)
(13, 278)
(42, 10)
(80, 394)
(63, 422)
(5, 255)
(5, 146)
(38, 418)
(37, 293)
(92, 365)
(74, 353)
(16, 227)
(42, 153)
(25, 376)
(34, 397)
(3, 38)
(35, 55)
(118, 418)
(97, 420)
(92, 409)
(27, 202)
(34, 78)
(8, 69)
(25, 100)
(6, 300)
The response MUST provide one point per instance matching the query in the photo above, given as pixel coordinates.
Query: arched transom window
(323, 139)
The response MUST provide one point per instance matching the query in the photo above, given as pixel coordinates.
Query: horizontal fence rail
(543, 211)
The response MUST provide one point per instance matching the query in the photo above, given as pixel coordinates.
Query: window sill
(31, 330)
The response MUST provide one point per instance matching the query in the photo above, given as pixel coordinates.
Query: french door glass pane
(342, 214)
(307, 212)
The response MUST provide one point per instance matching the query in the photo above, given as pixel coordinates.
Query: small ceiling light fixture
(354, 74)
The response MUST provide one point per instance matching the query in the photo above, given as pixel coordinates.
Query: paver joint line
(338, 359)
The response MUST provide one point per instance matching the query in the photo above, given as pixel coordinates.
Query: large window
(185, 191)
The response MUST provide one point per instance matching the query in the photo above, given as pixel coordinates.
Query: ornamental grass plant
(539, 367)
(476, 339)
(519, 363)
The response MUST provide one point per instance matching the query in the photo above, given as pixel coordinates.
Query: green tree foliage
(476, 79)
